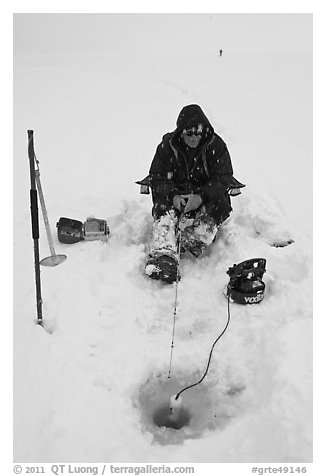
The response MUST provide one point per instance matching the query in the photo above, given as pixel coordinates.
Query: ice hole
(206, 407)
(162, 417)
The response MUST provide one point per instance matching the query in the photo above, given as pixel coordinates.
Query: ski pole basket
(246, 285)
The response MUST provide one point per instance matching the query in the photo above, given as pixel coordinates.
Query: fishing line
(175, 300)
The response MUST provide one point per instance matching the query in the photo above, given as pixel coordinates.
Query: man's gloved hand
(179, 202)
(194, 202)
(187, 203)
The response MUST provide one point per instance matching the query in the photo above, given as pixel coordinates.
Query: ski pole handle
(34, 215)
(33, 191)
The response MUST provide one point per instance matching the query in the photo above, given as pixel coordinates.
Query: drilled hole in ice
(207, 407)
(162, 417)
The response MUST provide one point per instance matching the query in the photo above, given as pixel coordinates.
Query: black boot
(163, 267)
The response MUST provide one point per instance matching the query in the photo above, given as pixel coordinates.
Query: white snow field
(87, 385)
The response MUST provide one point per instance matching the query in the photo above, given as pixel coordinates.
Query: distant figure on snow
(191, 180)
(221, 52)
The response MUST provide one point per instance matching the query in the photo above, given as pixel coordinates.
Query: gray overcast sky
(160, 33)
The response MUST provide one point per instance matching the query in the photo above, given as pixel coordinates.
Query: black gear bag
(69, 230)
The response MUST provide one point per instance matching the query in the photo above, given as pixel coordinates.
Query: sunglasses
(190, 132)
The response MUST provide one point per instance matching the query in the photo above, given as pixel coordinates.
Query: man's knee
(219, 211)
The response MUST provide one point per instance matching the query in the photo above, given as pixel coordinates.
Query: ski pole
(35, 227)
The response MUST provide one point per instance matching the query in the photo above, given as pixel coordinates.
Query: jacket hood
(190, 116)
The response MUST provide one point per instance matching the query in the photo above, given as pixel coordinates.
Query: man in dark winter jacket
(191, 180)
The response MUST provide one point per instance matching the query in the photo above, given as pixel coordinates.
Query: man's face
(192, 136)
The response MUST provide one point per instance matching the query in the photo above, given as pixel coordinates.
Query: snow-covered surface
(86, 386)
